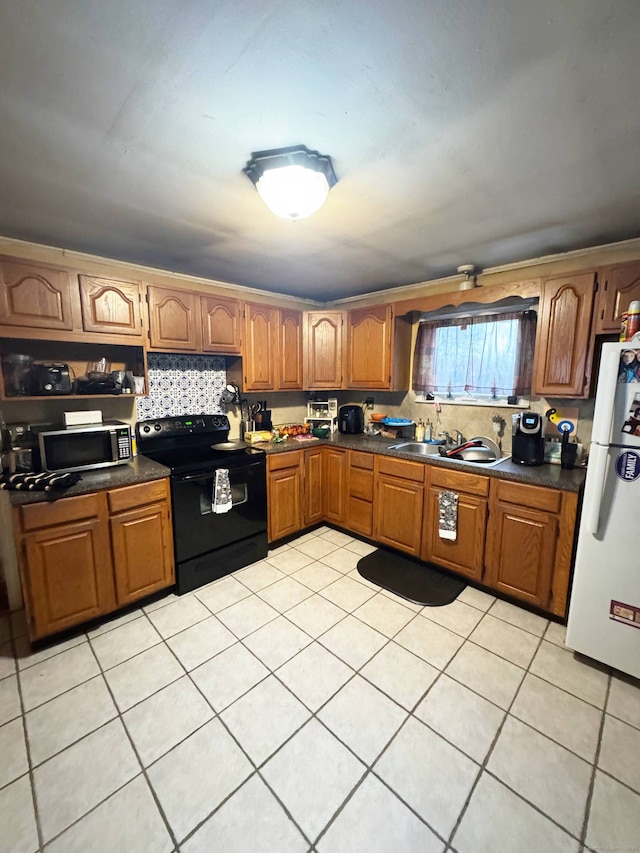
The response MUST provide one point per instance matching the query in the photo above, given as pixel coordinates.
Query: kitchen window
(481, 359)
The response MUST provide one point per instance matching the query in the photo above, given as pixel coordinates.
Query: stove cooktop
(191, 443)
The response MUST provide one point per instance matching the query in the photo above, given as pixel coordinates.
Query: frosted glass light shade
(293, 182)
(293, 192)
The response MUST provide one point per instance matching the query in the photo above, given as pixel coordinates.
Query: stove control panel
(182, 425)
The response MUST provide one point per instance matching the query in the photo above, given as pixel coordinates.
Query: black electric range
(211, 538)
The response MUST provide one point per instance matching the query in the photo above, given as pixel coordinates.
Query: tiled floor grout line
(483, 764)
(592, 781)
(32, 784)
(270, 671)
(135, 751)
(483, 768)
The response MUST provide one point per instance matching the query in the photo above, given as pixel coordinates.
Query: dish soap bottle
(420, 431)
(427, 431)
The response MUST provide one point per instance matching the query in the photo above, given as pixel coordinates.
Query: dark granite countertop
(141, 470)
(552, 476)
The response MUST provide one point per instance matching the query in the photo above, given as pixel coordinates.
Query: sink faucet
(448, 441)
(460, 439)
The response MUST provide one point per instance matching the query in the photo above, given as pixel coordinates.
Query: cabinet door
(562, 345)
(221, 324)
(110, 307)
(289, 336)
(466, 553)
(521, 551)
(323, 349)
(284, 489)
(68, 575)
(620, 285)
(369, 347)
(335, 484)
(313, 486)
(258, 354)
(35, 295)
(172, 319)
(142, 552)
(398, 513)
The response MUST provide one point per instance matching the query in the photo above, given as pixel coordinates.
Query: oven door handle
(209, 475)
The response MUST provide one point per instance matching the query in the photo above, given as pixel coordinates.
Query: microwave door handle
(114, 445)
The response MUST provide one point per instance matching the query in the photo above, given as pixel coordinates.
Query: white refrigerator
(604, 610)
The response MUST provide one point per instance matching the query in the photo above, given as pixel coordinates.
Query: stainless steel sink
(416, 448)
(478, 462)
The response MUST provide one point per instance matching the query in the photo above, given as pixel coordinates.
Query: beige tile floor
(294, 706)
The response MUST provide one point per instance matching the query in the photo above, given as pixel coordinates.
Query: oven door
(198, 529)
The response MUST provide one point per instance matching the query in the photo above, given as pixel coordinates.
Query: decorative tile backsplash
(183, 385)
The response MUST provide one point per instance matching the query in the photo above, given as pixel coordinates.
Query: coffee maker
(528, 438)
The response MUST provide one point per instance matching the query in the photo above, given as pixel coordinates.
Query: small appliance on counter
(323, 413)
(85, 447)
(16, 370)
(528, 438)
(351, 419)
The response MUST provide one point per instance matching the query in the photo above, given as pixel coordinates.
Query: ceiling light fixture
(293, 182)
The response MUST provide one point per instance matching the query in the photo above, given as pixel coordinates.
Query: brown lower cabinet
(284, 494)
(465, 553)
(398, 503)
(512, 537)
(530, 542)
(85, 556)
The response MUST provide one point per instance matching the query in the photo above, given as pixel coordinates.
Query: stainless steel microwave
(81, 448)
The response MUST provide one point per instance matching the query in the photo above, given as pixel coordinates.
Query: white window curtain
(487, 354)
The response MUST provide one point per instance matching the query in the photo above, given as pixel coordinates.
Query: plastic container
(17, 374)
(633, 320)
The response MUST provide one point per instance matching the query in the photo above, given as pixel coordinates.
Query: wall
(470, 420)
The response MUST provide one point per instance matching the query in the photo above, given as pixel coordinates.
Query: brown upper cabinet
(221, 325)
(110, 306)
(620, 285)
(369, 336)
(560, 366)
(34, 295)
(173, 322)
(378, 349)
(289, 350)
(259, 348)
(323, 346)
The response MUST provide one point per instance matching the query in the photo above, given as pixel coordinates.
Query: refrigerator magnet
(628, 466)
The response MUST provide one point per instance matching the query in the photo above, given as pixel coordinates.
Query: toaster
(50, 378)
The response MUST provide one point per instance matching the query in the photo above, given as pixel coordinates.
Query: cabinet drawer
(132, 497)
(361, 460)
(283, 460)
(360, 516)
(533, 497)
(361, 484)
(401, 468)
(62, 511)
(460, 481)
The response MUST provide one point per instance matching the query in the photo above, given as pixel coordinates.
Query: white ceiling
(483, 131)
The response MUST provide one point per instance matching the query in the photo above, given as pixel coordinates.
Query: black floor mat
(421, 583)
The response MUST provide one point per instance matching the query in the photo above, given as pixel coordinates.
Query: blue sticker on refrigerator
(628, 466)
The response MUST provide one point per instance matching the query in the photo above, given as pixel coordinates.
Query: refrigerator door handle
(598, 458)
